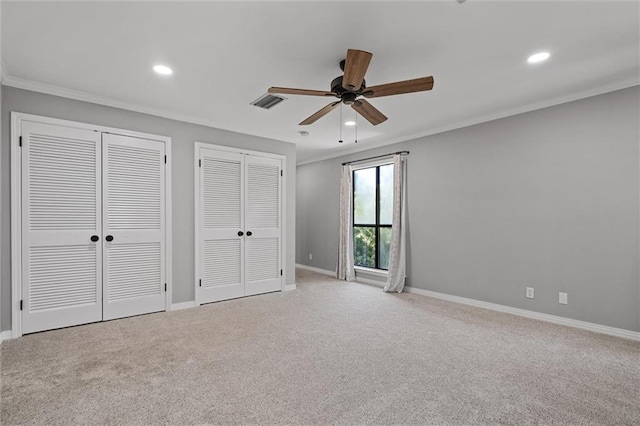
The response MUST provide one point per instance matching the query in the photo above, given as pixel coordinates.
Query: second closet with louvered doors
(93, 225)
(239, 223)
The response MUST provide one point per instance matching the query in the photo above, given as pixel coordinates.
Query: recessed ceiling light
(162, 69)
(538, 57)
(349, 123)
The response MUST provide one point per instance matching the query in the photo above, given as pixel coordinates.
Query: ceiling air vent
(268, 101)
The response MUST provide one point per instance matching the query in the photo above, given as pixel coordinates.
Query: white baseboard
(318, 270)
(5, 335)
(369, 281)
(333, 274)
(183, 305)
(569, 322)
(289, 287)
(603, 329)
(372, 272)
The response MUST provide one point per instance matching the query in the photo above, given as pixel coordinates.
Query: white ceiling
(225, 55)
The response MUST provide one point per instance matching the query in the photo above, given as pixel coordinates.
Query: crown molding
(624, 84)
(79, 95)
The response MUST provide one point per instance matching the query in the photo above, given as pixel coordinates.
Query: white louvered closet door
(133, 181)
(262, 225)
(220, 217)
(61, 265)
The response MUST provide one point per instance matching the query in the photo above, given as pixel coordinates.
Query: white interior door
(262, 224)
(61, 264)
(133, 179)
(220, 217)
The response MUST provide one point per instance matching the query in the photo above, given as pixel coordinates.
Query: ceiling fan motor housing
(347, 96)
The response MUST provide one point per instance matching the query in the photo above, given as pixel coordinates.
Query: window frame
(377, 226)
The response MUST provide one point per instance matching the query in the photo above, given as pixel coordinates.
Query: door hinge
(165, 286)
(280, 272)
(21, 305)
(281, 173)
(200, 283)
(165, 159)
(199, 163)
(20, 140)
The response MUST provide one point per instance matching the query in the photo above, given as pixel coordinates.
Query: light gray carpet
(328, 352)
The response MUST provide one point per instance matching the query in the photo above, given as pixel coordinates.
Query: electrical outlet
(529, 293)
(563, 299)
(310, 256)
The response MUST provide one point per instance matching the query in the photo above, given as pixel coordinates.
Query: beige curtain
(397, 255)
(345, 269)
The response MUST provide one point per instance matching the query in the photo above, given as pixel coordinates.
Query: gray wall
(547, 199)
(2, 297)
(183, 137)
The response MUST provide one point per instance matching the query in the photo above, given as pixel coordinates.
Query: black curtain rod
(377, 156)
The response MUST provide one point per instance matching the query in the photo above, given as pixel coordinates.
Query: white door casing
(133, 179)
(262, 224)
(61, 196)
(221, 212)
(238, 223)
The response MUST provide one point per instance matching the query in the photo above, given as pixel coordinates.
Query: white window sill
(371, 271)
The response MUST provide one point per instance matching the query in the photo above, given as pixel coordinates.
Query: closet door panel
(262, 220)
(61, 195)
(134, 222)
(220, 216)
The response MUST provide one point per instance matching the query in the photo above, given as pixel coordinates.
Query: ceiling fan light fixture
(538, 57)
(162, 69)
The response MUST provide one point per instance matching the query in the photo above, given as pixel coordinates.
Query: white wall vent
(268, 101)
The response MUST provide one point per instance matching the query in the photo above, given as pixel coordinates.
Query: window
(372, 216)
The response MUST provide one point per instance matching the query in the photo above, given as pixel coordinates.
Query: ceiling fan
(351, 86)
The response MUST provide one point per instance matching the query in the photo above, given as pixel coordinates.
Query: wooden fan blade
(400, 87)
(324, 111)
(368, 111)
(355, 67)
(289, 91)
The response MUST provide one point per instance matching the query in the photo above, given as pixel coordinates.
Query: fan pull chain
(340, 141)
(356, 128)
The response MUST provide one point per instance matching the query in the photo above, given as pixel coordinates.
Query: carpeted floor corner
(326, 353)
